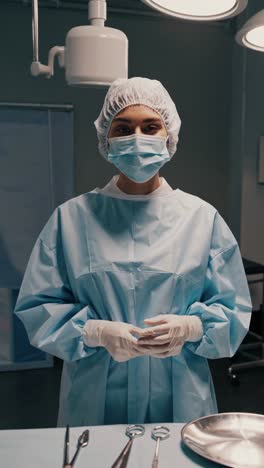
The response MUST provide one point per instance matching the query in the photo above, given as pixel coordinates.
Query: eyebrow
(153, 119)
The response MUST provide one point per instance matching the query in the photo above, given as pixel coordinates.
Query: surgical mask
(139, 157)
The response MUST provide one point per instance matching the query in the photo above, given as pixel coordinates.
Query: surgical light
(198, 10)
(252, 33)
(93, 55)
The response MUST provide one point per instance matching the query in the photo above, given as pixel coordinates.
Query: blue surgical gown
(125, 259)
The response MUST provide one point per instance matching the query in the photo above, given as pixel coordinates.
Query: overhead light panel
(198, 10)
(93, 55)
(252, 33)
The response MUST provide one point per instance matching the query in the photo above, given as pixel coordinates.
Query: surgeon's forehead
(137, 112)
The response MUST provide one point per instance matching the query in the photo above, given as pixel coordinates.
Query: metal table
(43, 448)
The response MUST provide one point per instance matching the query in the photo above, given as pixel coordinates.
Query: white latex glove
(168, 334)
(116, 337)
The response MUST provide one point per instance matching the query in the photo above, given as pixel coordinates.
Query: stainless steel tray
(232, 439)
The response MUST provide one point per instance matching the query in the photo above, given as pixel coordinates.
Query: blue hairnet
(127, 92)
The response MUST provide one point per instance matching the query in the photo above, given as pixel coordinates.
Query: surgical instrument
(83, 441)
(159, 433)
(132, 431)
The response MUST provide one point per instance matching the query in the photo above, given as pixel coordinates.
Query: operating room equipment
(159, 433)
(106, 49)
(252, 33)
(198, 10)
(82, 442)
(132, 431)
(26, 447)
(93, 55)
(232, 439)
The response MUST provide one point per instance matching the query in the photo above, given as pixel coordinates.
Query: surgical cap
(128, 92)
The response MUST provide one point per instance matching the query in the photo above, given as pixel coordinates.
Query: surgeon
(135, 285)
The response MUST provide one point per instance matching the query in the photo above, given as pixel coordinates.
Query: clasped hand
(167, 334)
(164, 337)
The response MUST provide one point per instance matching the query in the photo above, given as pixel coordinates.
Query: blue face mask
(139, 157)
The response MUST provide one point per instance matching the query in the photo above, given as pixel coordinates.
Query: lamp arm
(38, 68)
(35, 34)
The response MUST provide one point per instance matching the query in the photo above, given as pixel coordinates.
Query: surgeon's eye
(122, 130)
(151, 129)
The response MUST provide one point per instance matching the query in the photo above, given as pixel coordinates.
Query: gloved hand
(168, 334)
(116, 337)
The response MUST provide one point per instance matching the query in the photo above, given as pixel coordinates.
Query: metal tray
(232, 439)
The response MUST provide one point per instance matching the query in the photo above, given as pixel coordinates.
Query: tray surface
(232, 439)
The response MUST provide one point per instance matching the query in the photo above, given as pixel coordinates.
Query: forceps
(133, 431)
(82, 442)
(159, 433)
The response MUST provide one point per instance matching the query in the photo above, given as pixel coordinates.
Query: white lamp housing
(252, 33)
(93, 55)
(198, 10)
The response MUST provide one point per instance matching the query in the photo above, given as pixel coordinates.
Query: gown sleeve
(225, 305)
(52, 317)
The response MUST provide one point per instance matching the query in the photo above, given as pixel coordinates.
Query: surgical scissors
(132, 431)
(83, 441)
(159, 433)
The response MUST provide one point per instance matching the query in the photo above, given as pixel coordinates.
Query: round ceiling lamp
(198, 10)
(252, 33)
